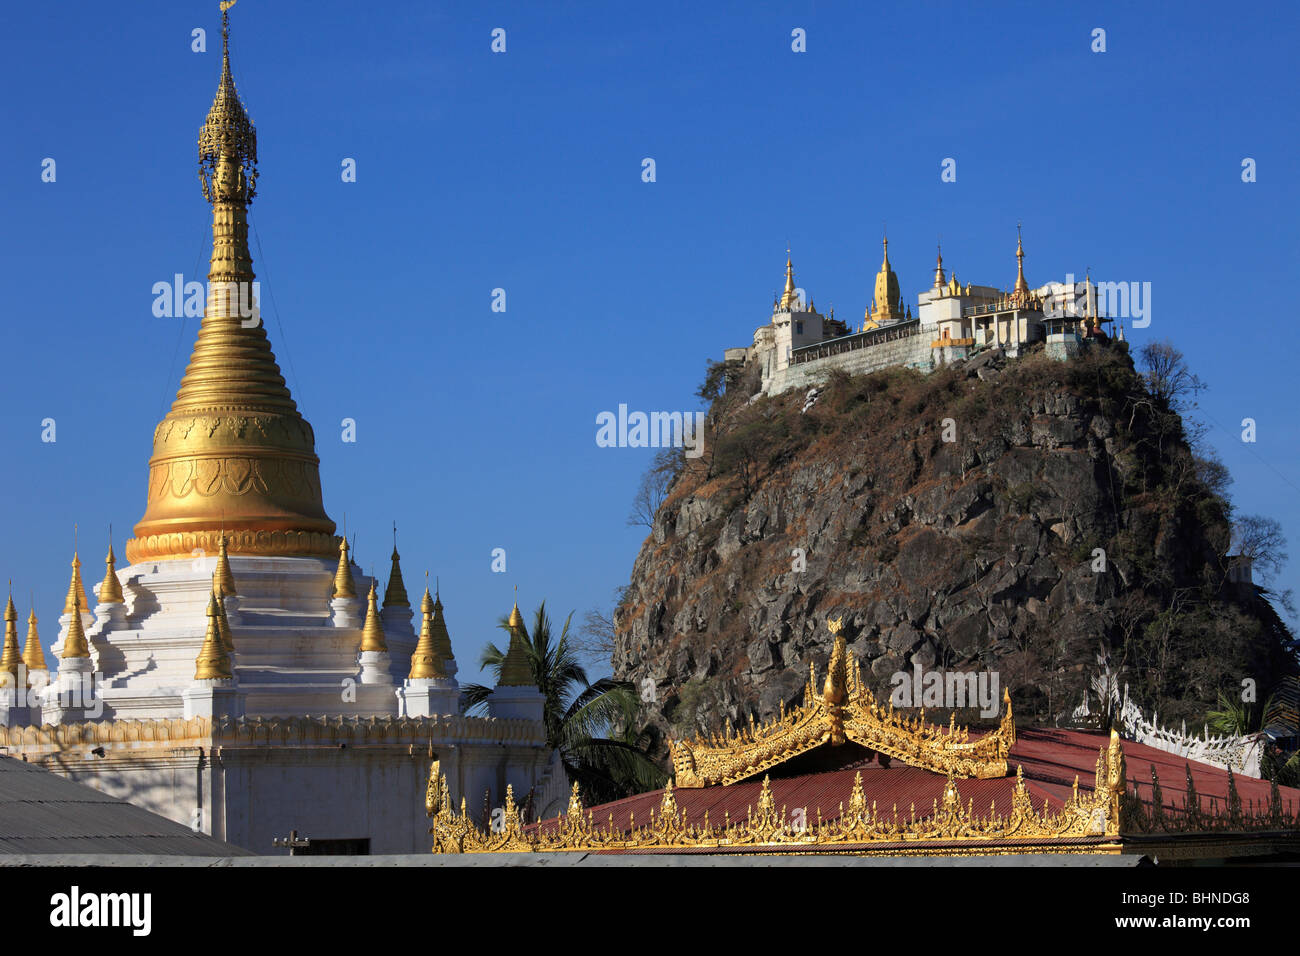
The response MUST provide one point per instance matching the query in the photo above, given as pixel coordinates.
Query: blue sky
(522, 171)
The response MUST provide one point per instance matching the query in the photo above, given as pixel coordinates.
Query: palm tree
(590, 724)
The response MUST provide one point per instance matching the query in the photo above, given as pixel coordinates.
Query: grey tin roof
(41, 812)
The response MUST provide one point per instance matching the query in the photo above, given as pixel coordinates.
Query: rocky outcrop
(1010, 516)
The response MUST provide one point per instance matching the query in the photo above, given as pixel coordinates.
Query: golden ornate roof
(213, 663)
(233, 452)
(110, 589)
(372, 634)
(33, 653)
(12, 656)
(844, 711)
(426, 662)
(951, 822)
(515, 669)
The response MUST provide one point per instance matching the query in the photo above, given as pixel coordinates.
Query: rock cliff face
(1017, 517)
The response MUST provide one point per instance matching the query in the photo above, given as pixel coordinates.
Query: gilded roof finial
(74, 645)
(11, 657)
(343, 584)
(372, 634)
(516, 671)
(110, 589)
(835, 690)
(938, 267)
(395, 593)
(33, 653)
(213, 663)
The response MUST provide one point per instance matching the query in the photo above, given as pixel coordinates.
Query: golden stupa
(233, 454)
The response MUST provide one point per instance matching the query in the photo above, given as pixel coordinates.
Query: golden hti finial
(12, 656)
(110, 589)
(344, 587)
(516, 671)
(395, 592)
(33, 653)
(223, 579)
(938, 268)
(372, 633)
(228, 140)
(213, 663)
(426, 662)
(74, 645)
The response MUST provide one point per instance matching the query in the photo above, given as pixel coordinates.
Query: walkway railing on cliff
(858, 340)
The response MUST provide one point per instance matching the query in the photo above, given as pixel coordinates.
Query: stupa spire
(74, 645)
(223, 579)
(515, 669)
(372, 634)
(1022, 287)
(938, 269)
(76, 589)
(395, 593)
(11, 657)
(344, 587)
(33, 653)
(213, 663)
(110, 589)
(426, 662)
(234, 445)
(789, 298)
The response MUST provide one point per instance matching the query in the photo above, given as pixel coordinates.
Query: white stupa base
(525, 702)
(375, 668)
(15, 709)
(73, 695)
(428, 697)
(213, 699)
(346, 612)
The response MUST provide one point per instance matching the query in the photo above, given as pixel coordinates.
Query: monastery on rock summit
(798, 346)
(239, 675)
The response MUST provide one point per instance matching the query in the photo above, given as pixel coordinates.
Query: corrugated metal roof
(41, 812)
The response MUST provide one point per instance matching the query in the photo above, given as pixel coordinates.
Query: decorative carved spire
(395, 593)
(426, 663)
(223, 579)
(11, 657)
(74, 645)
(33, 653)
(372, 634)
(213, 663)
(233, 453)
(836, 689)
(76, 589)
(110, 589)
(343, 584)
(515, 669)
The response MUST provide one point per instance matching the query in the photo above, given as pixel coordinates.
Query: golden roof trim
(1087, 822)
(846, 710)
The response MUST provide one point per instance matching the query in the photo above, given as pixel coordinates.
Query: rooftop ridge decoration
(1089, 822)
(846, 710)
(1228, 751)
